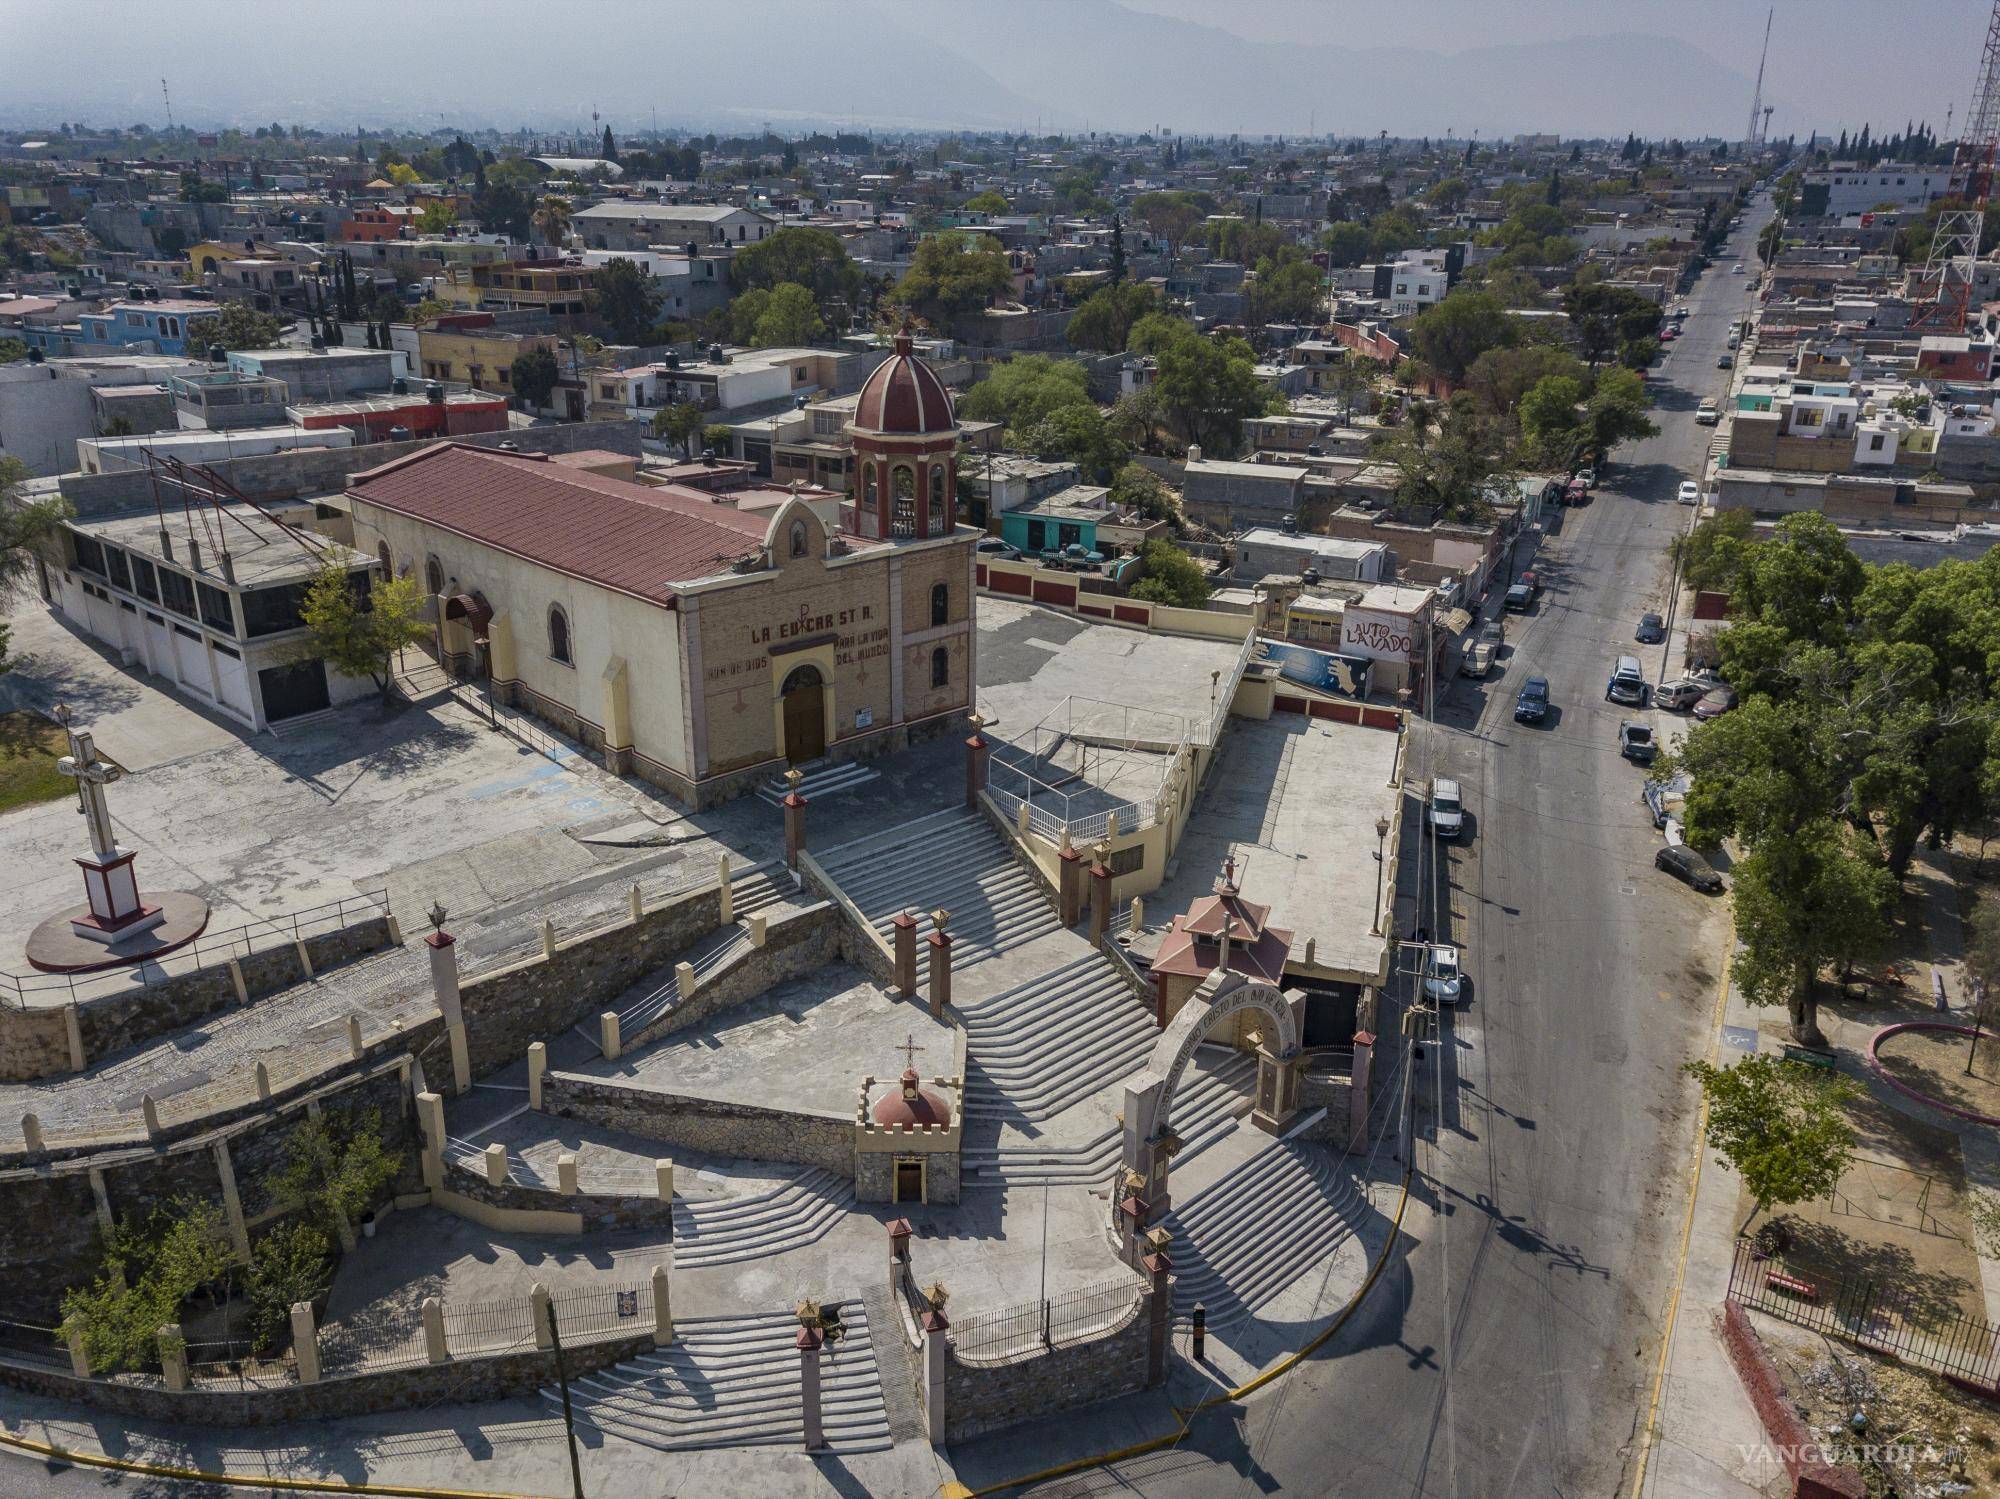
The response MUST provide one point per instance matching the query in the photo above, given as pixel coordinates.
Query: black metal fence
(1883, 1316)
(1037, 1326)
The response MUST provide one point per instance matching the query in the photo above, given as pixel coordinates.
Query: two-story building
(629, 225)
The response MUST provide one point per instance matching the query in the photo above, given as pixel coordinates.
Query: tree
(534, 375)
(238, 325)
(336, 1169)
(290, 1264)
(952, 275)
(1138, 489)
(1289, 289)
(681, 424)
(1173, 216)
(1781, 1125)
(1617, 411)
(1769, 238)
(1710, 554)
(551, 219)
(986, 202)
(1604, 316)
(624, 296)
(1501, 378)
(1445, 468)
(1805, 899)
(1027, 389)
(788, 319)
(1451, 335)
(1172, 577)
(609, 150)
(1206, 386)
(1345, 244)
(356, 625)
(795, 254)
(29, 528)
(1079, 434)
(1117, 251)
(1104, 322)
(1554, 432)
(147, 1271)
(437, 217)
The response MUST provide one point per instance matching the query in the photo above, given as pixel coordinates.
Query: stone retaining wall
(597, 1212)
(461, 1381)
(806, 1137)
(35, 1042)
(983, 1397)
(1333, 1092)
(542, 997)
(50, 1215)
(797, 940)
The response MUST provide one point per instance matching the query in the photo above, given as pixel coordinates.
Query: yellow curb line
(243, 1480)
(1290, 1361)
(1687, 1228)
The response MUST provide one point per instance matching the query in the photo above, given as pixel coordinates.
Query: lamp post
(1381, 865)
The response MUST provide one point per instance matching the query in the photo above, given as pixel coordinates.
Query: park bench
(1812, 1056)
(1805, 1290)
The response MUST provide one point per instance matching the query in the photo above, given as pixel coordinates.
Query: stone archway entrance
(804, 698)
(1142, 1197)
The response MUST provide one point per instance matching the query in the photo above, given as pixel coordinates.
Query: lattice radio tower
(1944, 289)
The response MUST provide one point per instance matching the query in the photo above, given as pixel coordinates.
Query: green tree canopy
(682, 423)
(625, 298)
(1780, 1124)
(356, 625)
(534, 375)
(952, 275)
(801, 256)
(1288, 289)
(238, 325)
(988, 201)
(1104, 322)
(1206, 386)
(788, 318)
(1603, 317)
(1026, 389)
(1451, 335)
(1446, 464)
(1172, 577)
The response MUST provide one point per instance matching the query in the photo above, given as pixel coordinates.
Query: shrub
(292, 1263)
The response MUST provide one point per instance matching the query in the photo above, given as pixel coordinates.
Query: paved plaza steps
(1209, 1104)
(1042, 1046)
(956, 860)
(1264, 1226)
(821, 779)
(746, 1228)
(734, 1382)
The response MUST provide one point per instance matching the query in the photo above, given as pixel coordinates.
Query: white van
(1627, 684)
(1447, 808)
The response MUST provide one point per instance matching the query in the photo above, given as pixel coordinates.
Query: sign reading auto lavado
(1380, 637)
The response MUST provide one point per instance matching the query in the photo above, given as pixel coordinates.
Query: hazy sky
(1348, 66)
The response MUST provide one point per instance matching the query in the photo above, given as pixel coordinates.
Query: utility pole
(170, 105)
(569, 1420)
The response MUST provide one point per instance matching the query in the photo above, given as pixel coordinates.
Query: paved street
(1512, 1350)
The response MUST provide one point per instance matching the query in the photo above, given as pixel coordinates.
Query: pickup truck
(1477, 660)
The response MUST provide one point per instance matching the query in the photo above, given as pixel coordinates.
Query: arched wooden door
(805, 715)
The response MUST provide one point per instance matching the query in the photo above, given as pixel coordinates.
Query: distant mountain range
(1074, 65)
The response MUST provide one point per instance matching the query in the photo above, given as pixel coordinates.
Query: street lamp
(1381, 865)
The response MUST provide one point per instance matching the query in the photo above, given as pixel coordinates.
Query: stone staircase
(734, 1382)
(1259, 1229)
(1210, 1103)
(746, 1228)
(759, 886)
(822, 778)
(1034, 1050)
(957, 860)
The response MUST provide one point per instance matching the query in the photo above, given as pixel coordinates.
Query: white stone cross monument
(116, 909)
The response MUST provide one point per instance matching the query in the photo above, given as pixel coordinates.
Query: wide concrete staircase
(1263, 1226)
(747, 1228)
(822, 778)
(1038, 1048)
(957, 860)
(1210, 1102)
(734, 1382)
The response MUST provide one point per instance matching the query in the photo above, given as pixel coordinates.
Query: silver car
(1442, 980)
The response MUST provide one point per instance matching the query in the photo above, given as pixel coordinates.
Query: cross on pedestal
(909, 1049)
(116, 911)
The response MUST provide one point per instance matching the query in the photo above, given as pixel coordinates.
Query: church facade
(701, 646)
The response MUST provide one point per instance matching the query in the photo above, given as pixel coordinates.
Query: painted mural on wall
(1323, 671)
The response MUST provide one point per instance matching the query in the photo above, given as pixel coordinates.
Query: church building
(699, 645)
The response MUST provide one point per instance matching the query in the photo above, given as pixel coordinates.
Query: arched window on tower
(940, 667)
(940, 512)
(868, 486)
(940, 604)
(903, 484)
(559, 648)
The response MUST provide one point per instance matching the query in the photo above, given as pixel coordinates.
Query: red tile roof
(631, 537)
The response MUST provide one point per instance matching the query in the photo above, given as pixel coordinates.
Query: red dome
(904, 397)
(912, 1105)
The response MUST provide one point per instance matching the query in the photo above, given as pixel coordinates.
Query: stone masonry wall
(542, 997)
(1332, 1092)
(986, 1397)
(114, 1023)
(33, 1043)
(796, 941)
(599, 1213)
(742, 1129)
(459, 1381)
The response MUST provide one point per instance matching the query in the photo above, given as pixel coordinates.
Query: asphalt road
(1510, 1350)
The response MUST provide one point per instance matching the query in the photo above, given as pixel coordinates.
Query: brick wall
(461, 1381)
(1812, 1475)
(807, 1137)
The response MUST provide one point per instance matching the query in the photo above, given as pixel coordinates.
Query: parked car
(1532, 581)
(993, 546)
(1726, 362)
(1706, 414)
(1689, 493)
(1685, 693)
(1689, 867)
(1578, 493)
(1442, 980)
(1669, 333)
(1532, 706)
(1447, 808)
(1736, 269)
(1683, 311)
(1493, 632)
(1477, 660)
(1520, 598)
(1587, 477)
(1627, 684)
(1735, 341)
(1636, 742)
(1715, 702)
(1652, 630)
